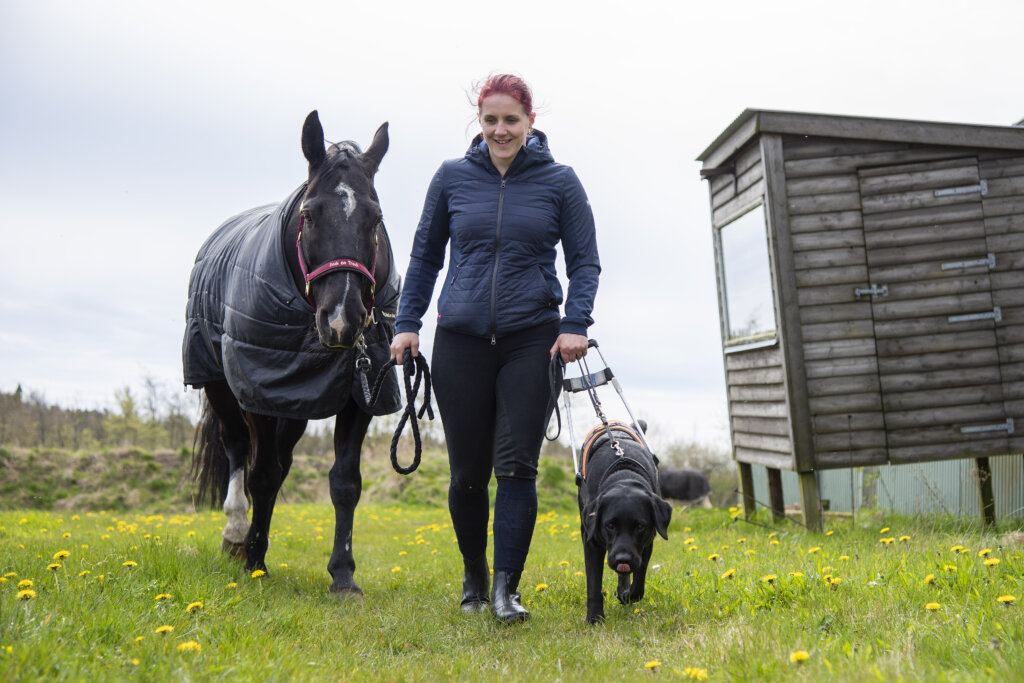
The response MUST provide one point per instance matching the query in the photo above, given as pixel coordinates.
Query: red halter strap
(337, 264)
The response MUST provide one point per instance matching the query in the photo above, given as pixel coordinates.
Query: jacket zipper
(494, 271)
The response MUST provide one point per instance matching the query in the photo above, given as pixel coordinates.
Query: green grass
(95, 618)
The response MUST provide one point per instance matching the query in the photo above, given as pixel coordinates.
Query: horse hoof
(345, 593)
(235, 550)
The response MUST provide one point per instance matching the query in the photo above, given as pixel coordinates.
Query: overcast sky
(129, 130)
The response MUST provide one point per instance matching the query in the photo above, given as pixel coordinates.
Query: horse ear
(313, 140)
(375, 153)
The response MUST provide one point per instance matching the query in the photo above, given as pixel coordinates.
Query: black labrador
(689, 486)
(620, 511)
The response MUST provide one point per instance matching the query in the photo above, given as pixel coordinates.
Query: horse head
(338, 231)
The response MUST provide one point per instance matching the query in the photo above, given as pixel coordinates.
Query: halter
(338, 264)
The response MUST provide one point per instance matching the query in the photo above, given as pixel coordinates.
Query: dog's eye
(641, 527)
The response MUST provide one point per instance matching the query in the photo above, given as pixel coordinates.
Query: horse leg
(237, 446)
(274, 439)
(346, 487)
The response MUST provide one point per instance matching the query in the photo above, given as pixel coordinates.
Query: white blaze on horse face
(236, 506)
(349, 196)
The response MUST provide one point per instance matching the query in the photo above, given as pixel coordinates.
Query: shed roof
(755, 121)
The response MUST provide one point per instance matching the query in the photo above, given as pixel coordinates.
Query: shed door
(934, 317)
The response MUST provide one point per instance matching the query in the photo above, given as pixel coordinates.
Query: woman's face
(505, 126)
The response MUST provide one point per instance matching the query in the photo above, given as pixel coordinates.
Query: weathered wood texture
(757, 407)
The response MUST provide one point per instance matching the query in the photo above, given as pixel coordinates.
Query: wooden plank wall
(830, 261)
(1003, 207)
(758, 414)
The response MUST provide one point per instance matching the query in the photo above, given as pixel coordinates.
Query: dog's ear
(662, 515)
(591, 521)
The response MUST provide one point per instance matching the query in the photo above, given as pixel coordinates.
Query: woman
(503, 208)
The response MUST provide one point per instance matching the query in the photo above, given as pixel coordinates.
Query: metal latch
(875, 291)
(995, 314)
(989, 261)
(1006, 426)
(981, 187)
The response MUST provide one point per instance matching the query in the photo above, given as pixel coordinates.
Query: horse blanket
(246, 322)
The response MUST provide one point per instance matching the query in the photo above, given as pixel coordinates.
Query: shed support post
(810, 500)
(775, 494)
(985, 496)
(747, 488)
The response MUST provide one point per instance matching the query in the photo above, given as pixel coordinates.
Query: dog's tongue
(622, 568)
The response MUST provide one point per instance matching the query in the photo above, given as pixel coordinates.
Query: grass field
(120, 596)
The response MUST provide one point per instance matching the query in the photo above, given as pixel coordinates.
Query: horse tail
(209, 460)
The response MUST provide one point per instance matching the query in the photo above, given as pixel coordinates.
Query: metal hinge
(1005, 426)
(981, 187)
(875, 291)
(995, 314)
(989, 261)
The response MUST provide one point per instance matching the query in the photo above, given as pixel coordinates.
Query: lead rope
(412, 367)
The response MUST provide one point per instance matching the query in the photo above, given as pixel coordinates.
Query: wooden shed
(871, 289)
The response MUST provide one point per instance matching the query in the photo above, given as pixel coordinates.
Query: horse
(290, 313)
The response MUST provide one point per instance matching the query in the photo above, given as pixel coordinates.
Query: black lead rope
(413, 367)
(556, 369)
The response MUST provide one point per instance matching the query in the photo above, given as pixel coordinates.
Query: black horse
(290, 314)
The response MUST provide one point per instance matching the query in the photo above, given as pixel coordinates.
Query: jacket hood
(533, 152)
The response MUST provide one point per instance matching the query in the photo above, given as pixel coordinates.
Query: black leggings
(493, 401)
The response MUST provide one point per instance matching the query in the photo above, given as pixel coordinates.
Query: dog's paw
(595, 619)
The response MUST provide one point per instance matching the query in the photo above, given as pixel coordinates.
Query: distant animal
(288, 306)
(620, 512)
(689, 486)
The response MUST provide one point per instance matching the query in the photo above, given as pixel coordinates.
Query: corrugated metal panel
(948, 487)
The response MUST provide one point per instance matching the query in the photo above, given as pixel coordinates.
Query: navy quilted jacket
(503, 233)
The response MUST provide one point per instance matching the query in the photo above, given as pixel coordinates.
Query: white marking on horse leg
(706, 502)
(349, 196)
(236, 507)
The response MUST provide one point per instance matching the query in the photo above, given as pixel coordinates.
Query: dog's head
(624, 518)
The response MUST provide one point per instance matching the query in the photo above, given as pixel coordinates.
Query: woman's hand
(403, 341)
(572, 347)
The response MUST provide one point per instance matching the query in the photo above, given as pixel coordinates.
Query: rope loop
(416, 372)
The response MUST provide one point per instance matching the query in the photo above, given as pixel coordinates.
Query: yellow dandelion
(933, 606)
(884, 529)
(769, 578)
(696, 673)
(956, 549)
(26, 583)
(904, 539)
(139, 639)
(3, 579)
(190, 534)
(984, 551)
(283, 565)
(653, 664)
(541, 587)
(773, 542)
(797, 575)
(194, 607)
(26, 594)
(728, 573)
(61, 554)
(395, 570)
(189, 646)
(691, 548)
(1006, 600)
(163, 596)
(402, 552)
(992, 561)
(166, 628)
(750, 551)
(10, 575)
(257, 573)
(741, 540)
(844, 558)
(66, 534)
(714, 557)
(232, 585)
(930, 579)
(835, 581)
(773, 534)
(799, 656)
(84, 573)
(563, 563)
(949, 567)
(689, 541)
(53, 567)
(815, 549)
(129, 564)
(829, 532)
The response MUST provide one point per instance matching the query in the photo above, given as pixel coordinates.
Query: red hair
(506, 84)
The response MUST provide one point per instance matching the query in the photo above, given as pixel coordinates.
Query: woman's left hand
(572, 347)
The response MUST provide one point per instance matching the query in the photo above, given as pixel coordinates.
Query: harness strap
(605, 429)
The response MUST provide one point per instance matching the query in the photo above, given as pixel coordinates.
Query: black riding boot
(476, 579)
(505, 598)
